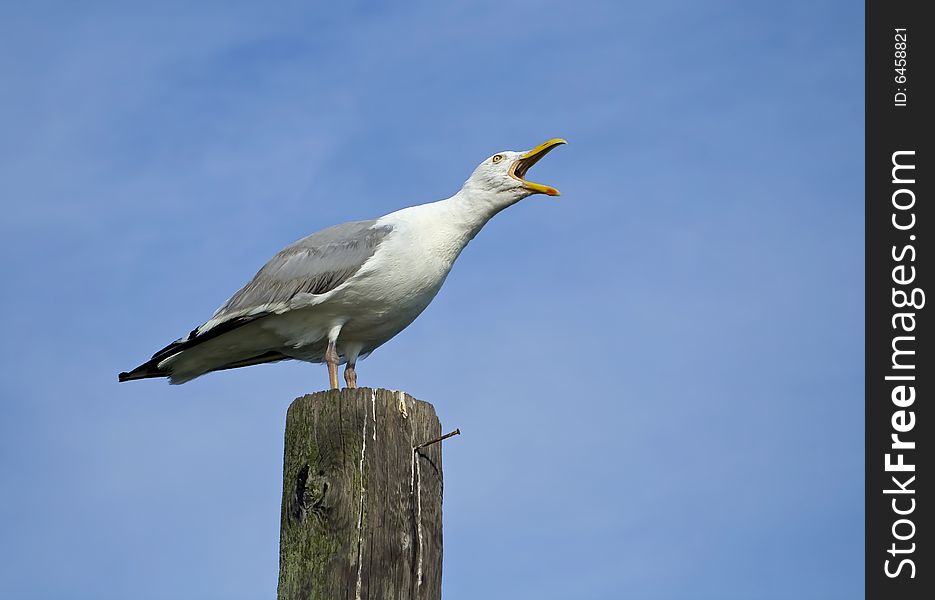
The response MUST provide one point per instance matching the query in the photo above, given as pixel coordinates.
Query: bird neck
(470, 209)
(448, 225)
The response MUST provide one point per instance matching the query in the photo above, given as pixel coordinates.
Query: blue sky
(658, 375)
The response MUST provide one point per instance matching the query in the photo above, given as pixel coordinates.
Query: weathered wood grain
(361, 510)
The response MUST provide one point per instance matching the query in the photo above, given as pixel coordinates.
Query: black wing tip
(150, 369)
(144, 371)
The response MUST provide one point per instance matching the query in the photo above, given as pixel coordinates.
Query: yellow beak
(524, 162)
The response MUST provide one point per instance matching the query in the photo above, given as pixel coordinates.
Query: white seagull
(337, 295)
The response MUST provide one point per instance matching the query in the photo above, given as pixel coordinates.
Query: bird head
(503, 175)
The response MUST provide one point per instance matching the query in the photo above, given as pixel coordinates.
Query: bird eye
(497, 158)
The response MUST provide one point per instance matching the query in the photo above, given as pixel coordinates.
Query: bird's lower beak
(524, 162)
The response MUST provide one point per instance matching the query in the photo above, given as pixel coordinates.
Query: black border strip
(899, 370)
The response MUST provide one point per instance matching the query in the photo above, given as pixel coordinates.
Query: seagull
(339, 294)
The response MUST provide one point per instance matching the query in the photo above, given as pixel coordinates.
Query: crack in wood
(360, 506)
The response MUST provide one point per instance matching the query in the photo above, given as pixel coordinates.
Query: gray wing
(314, 265)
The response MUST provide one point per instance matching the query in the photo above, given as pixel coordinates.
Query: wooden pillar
(361, 510)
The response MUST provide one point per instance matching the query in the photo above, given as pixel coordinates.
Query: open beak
(524, 162)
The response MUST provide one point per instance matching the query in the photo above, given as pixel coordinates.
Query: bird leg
(350, 375)
(331, 358)
(351, 352)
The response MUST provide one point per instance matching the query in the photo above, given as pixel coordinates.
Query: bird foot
(350, 376)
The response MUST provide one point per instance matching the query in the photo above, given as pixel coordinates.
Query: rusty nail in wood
(438, 439)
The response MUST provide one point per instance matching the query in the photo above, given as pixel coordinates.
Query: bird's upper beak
(524, 162)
